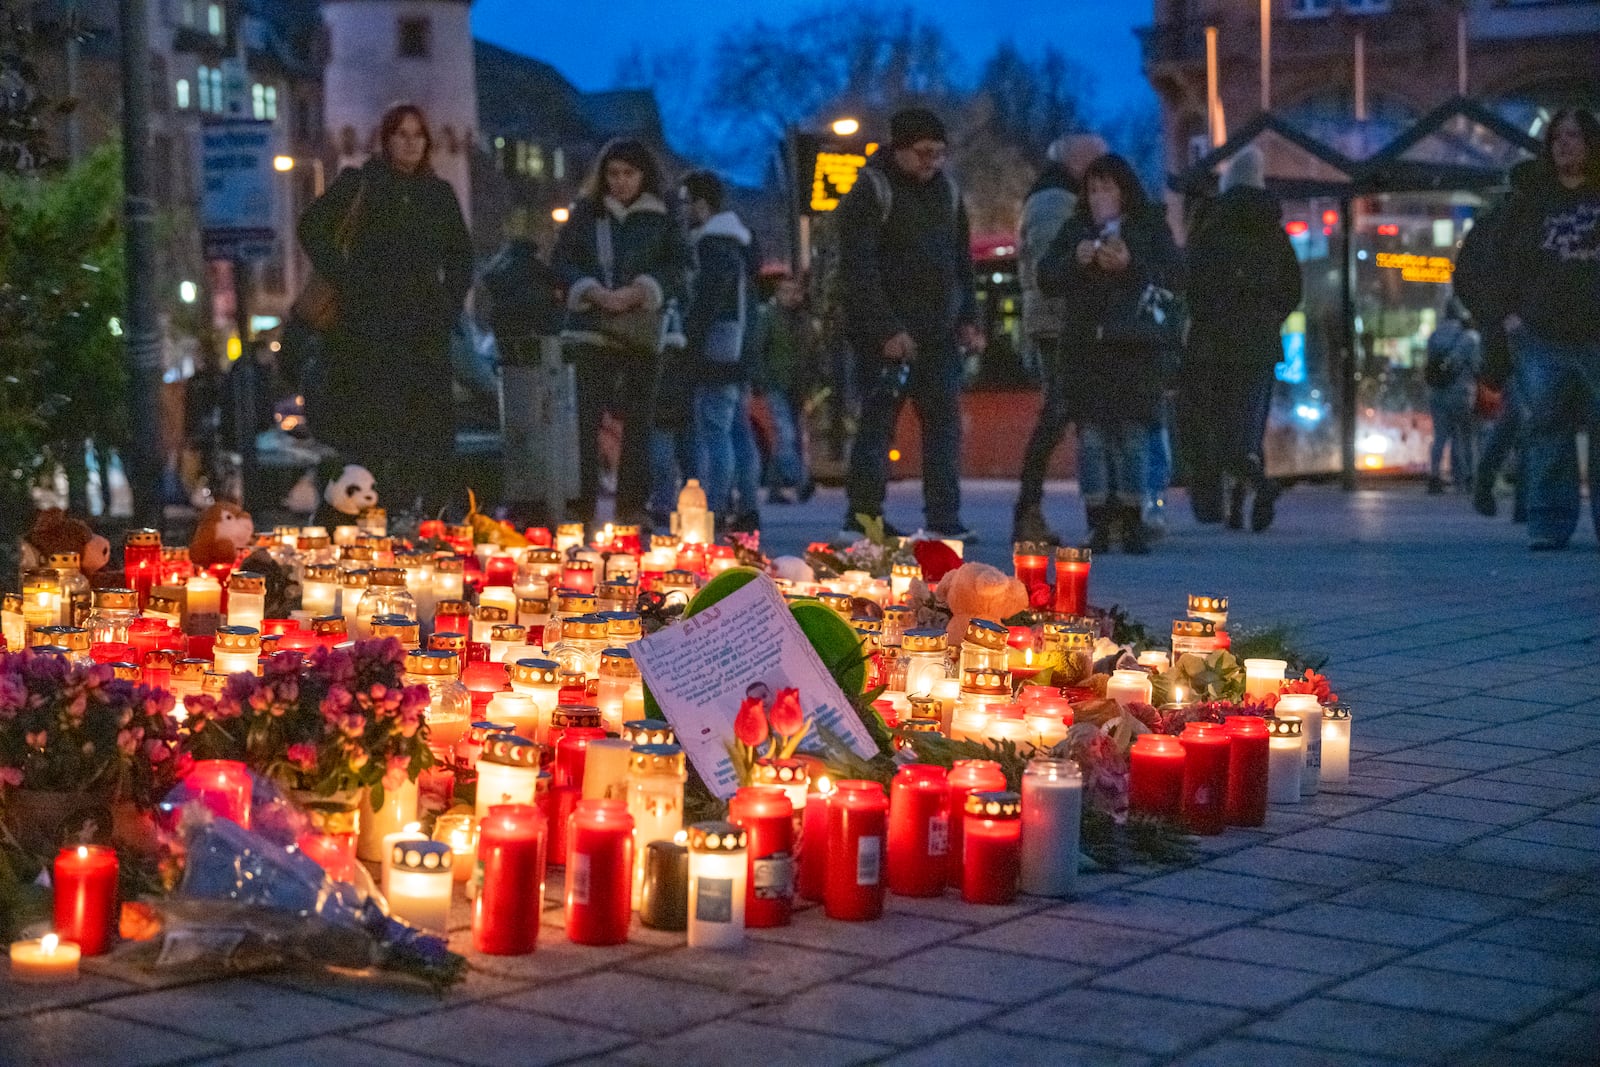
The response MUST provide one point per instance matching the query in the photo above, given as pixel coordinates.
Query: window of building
(180, 94)
(558, 164)
(415, 38)
(214, 20)
(1304, 9)
(1366, 7)
(204, 78)
(535, 161)
(264, 102)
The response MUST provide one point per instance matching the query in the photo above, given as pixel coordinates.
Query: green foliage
(1218, 676)
(1126, 630)
(1140, 839)
(1274, 642)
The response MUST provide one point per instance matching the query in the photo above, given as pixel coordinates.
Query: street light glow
(187, 292)
(846, 127)
(560, 214)
(283, 164)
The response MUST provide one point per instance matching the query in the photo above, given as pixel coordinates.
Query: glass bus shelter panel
(1286, 161)
(1464, 142)
(1304, 421)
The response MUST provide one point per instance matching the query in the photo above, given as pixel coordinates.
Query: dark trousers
(1049, 428)
(933, 384)
(1225, 425)
(625, 384)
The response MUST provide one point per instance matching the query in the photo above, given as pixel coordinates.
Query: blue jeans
(934, 386)
(1159, 449)
(1113, 462)
(787, 468)
(1558, 387)
(746, 460)
(1453, 425)
(725, 451)
(671, 460)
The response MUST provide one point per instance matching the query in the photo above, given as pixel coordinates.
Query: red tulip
(750, 726)
(787, 717)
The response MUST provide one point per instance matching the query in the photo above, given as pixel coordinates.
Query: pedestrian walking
(1244, 280)
(393, 259)
(909, 308)
(623, 258)
(716, 318)
(1050, 203)
(1117, 268)
(1548, 251)
(1454, 361)
(785, 354)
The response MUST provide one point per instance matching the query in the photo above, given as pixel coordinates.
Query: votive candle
(919, 830)
(1335, 743)
(766, 816)
(1052, 813)
(1248, 757)
(1286, 760)
(1306, 708)
(85, 884)
(718, 880)
(599, 897)
(857, 825)
(510, 881)
(1205, 777)
(1155, 776)
(991, 847)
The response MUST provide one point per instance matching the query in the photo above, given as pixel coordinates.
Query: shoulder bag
(638, 331)
(318, 303)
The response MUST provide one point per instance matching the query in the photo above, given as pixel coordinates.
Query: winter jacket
(1244, 278)
(647, 246)
(409, 261)
(1459, 345)
(1547, 258)
(1049, 204)
(525, 296)
(724, 254)
(911, 271)
(783, 349)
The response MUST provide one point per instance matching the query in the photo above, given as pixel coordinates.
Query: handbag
(638, 331)
(318, 303)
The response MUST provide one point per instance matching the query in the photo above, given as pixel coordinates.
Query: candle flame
(680, 837)
(824, 784)
(48, 943)
(412, 827)
(1177, 694)
(1027, 658)
(83, 852)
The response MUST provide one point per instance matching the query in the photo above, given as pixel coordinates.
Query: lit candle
(600, 873)
(510, 881)
(1248, 757)
(319, 589)
(345, 536)
(141, 558)
(1052, 811)
(247, 599)
(508, 772)
(1129, 687)
(1072, 580)
(412, 831)
(353, 603)
(919, 830)
(399, 807)
(420, 881)
(992, 848)
(1155, 776)
(500, 570)
(13, 624)
(664, 903)
(237, 651)
(1263, 677)
(517, 712)
(618, 673)
(813, 878)
(967, 776)
(1205, 777)
(459, 830)
(1306, 708)
(656, 775)
(1286, 761)
(717, 885)
(49, 959)
(1193, 636)
(765, 814)
(202, 609)
(1048, 719)
(605, 768)
(1335, 743)
(569, 535)
(85, 883)
(947, 691)
(901, 575)
(857, 825)
(449, 581)
(1155, 660)
(223, 786)
(538, 679)
(41, 601)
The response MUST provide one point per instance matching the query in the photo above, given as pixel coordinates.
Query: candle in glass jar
(85, 882)
(656, 776)
(202, 612)
(664, 902)
(411, 831)
(992, 847)
(967, 776)
(1286, 760)
(509, 880)
(1205, 777)
(599, 873)
(1155, 776)
(1030, 563)
(540, 681)
(517, 712)
(605, 768)
(237, 650)
(1248, 757)
(500, 570)
(459, 830)
(813, 877)
(49, 959)
(508, 772)
(766, 816)
(1263, 677)
(857, 825)
(1129, 687)
(398, 808)
(223, 786)
(319, 590)
(1335, 743)
(1306, 708)
(421, 877)
(919, 830)
(1052, 811)
(141, 558)
(1155, 660)
(247, 599)
(1072, 580)
(718, 879)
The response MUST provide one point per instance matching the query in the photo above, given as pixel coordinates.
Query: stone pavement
(1441, 907)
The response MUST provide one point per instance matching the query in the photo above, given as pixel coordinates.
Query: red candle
(813, 879)
(431, 530)
(559, 806)
(600, 872)
(114, 652)
(86, 896)
(510, 881)
(1072, 581)
(156, 668)
(692, 557)
(452, 622)
(483, 681)
(223, 786)
(1155, 776)
(500, 571)
(1248, 753)
(538, 537)
(141, 558)
(992, 848)
(297, 641)
(146, 635)
(919, 830)
(571, 753)
(767, 817)
(578, 575)
(1030, 564)
(334, 853)
(1205, 776)
(573, 716)
(858, 816)
(967, 776)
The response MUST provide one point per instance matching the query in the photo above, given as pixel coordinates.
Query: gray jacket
(1044, 212)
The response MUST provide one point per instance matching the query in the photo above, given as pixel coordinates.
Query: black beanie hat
(915, 124)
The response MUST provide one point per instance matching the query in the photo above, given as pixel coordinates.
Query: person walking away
(1050, 203)
(524, 299)
(721, 296)
(1549, 255)
(909, 307)
(623, 258)
(784, 352)
(1454, 360)
(1119, 271)
(1244, 280)
(388, 237)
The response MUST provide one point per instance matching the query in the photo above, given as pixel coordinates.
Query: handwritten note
(700, 670)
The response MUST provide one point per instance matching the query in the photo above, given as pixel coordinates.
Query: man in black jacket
(909, 306)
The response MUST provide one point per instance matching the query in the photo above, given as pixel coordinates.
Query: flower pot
(41, 820)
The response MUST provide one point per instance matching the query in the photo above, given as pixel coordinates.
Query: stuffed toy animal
(225, 530)
(348, 489)
(54, 531)
(977, 590)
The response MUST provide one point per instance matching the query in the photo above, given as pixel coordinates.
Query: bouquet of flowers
(767, 725)
(340, 720)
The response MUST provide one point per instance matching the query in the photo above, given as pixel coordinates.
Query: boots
(1236, 504)
(1100, 519)
(1028, 524)
(1135, 538)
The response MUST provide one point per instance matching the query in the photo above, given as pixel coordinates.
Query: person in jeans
(1455, 358)
(623, 259)
(1548, 250)
(905, 262)
(721, 302)
(784, 354)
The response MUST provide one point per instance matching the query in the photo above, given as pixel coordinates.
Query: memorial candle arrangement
(919, 830)
(717, 885)
(509, 881)
(85, 886)
(992, 847)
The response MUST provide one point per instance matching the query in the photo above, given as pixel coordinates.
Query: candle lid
(448, 641)
(919, 725)
(310, 542)
(657, 759)
(570, 715)
(997, 805)
(432, 662)
(161, 659)
(535, 671)
(71, 638)
(412, 560)
(1030, 548)
(572, 603)
(175, 553)
(247, 582)
(618, 663)
(924, 706)
(379, 543)
(238, 638)
(1193, 628)
(213, 682)
(676, 579)
(329, 626)
(161, 604)
(924, 640)
(985, 681)
(125, 672)
(357, 552)
(387, 625)
(1073, 554)
(866, 624)
(513, 632)
(533, 605)
(584, 628)
(452, 607)
(542, 556)
(387, 577)
(901, 613)
(322, 572)
(482, 728)
(51, 650)
(142, 538)
(1282, 727)
(623, 623)
(665, 541)
(623, 530)
(648, 732)
(492, 613)
(839, 602)
(190, 670)
(509, 750)
(771, 771)
(372, 515)
(352, 579)
(449, 565)
(906, 570)
(986, 633)
(1336, 711)
(716, 837)
(1211, 605)
(116, 599)
(579, 565)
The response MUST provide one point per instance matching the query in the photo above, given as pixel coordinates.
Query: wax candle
(449, 582)
(1306, 708)
(483, 680)
(399, 807)
(992, 847)
(411, 831)
(459, 830)
(421, 876)
(247, 599)
(1205, 777)
(947, 691)
(765, 814)
(811, 882)
(48, 959)
(901, 575)
(572, 717)
(1030, 563)
(1072, 580)
(1193, 636)
(985, 647)
(510, 881)
(1155, 776)
(718, 880)
(237, 650)
(919, 830)
(539, 680)
(599, 873)
(1155, 660)
(1129, 687)
(967, 776)
(664, 902)
(352, 597)
(857, 826)
(649, 732)
(1048, 719)
(223, 786)
(517, 712)
(1286, 760)
(141, 558)
(85, 883)
(1247, 770)
(656, 775)
(1335, 743)
(202, 611)
(605, 768)
(1052, 813)
(1262, 677)
(508, 772)
(500, 570)
(569, 535)
(330, 630)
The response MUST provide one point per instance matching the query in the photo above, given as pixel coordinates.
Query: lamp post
(141, 325)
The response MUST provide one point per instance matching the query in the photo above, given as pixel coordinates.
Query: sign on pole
(238, 197)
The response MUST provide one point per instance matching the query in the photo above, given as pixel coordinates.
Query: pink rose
(398, 770)
(303, 756)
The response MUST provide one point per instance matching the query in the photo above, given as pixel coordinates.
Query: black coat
(1244, 278)
(1110, 381)
(647, 245)
(724, 252)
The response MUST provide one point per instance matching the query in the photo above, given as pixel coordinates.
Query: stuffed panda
(348, 490)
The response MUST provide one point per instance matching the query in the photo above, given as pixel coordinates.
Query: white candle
(1047, 726)
(237, 651)
(1305, 707)
(1052, 807)
(399, 807)
(247, 600)
(1005, 728)
(411, 831)
(540, 680)
(420, 880)
(605, 768)
(1286, 760)
(344, 536)
(717, 862)
(319, 591)
(202, 612)
(516, 710)
(656, 774)
(50, 959)
(970, 722)
(500, 596)
(1335, 743)
(1155, 659)
(1263, 677)
(508, 772)
(947, 691)
(1129, 687)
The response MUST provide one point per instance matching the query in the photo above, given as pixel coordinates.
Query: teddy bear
(224, 531)
(977, 590)
(54, 531)
(348, 490)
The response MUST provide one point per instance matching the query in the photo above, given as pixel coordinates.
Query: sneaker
(852, 530)
(1029, 525)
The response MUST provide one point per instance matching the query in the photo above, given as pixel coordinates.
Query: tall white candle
(605, 768)
(1286, 760)
(1335, 743)
(717, 873)
(202, 612)
(1306, 708)
(1263, 677)
(1052, 808)
(1129, 687)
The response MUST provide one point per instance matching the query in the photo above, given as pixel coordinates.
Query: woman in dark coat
(620, 253)
(1116, 266)
(390, 238)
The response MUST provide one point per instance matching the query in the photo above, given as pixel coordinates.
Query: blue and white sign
(238, 188)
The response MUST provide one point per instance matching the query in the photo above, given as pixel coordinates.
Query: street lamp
(285, 164)
(846, 127)
(560, 214)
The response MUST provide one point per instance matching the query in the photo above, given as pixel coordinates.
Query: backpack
(1440, 371)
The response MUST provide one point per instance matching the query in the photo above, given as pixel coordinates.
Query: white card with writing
(700, 670)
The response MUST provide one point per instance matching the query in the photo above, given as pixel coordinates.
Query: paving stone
(1583, 784)
(1401, 773)
(1326, 805)
(1532, 854)
(951, 908)
(394, 996)
(637, 1003)
(1545, 935)
(1284, 948)
(1574, 907)
(1585, 764)
(893, 935)
(871, 1013)
(1500, 706)
(554, 959)
(1264, 894)
(1587, 814)
(1374, 1029)
(1414, 727)
(1405, 824)
(1518, 793)
(1429, 901)
(1571, 1034)
(239, 1012)
(69, 1036)
(1295, 866)
(1070, 940)
(1236, 1051)
(24, 998)
(1362, 785)
(958, 971)
(1537, 734)
(1476, 996)
(992, 1046)
(1452, 872)
(1510, 962)
(758, 968)
(1160, 914)
(1556, 832)
(321, 1052)
(731, 1043)
(1386, 848)
(1468, 809)
(1232, 983)
(488, 1034)
(1105, 1017)
(1365, 924)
